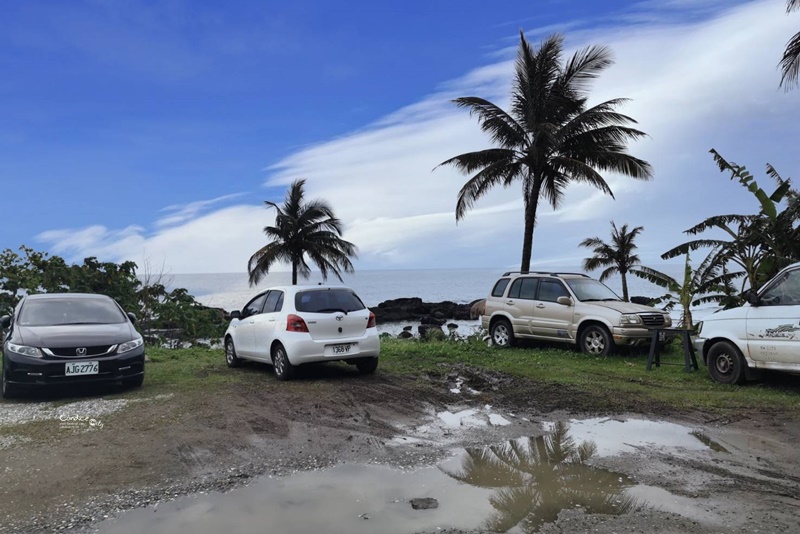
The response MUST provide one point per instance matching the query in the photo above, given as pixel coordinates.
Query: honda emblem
(80, 351)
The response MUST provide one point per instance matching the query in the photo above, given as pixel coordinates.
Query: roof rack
(549, 273)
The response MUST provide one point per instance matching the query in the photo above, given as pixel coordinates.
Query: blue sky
(139, 129)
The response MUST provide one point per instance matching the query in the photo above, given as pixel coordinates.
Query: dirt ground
(63, 475)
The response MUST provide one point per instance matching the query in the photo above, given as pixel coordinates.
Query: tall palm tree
(790, 63)
(550, 137)
(616, 257)
(303, 229)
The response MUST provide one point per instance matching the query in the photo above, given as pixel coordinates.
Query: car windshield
(67, 311)
(586, 289)
(328, 301)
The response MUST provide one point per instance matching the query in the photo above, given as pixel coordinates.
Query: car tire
(502, 334)
(595, 340)
(725, 363)
(284, 370)
(230, 354)
(134, 382)
(367, 366)
(7, 390)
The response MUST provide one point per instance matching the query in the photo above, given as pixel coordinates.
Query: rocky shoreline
(428, 313)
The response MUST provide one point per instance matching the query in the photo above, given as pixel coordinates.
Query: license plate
(340, 349)
(662, 336)
(82, 368)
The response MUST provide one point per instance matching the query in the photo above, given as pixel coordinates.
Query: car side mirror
(752, 298)
(5, 321)
(566, 301)
(132, 317)
(236, 314)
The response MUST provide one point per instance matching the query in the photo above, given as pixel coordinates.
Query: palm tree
(550, 137)
(760, 244)
(617, 257)
(303, 229)
(710, 282)
(790, 63)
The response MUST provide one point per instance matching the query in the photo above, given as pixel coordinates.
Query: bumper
(27, 371)
(300, 348)
(698, 343)
(636, 336)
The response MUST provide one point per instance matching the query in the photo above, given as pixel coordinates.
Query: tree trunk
(624, 286)
(294, 273)
(531, 203)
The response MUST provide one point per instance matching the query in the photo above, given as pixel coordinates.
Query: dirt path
(60, 469)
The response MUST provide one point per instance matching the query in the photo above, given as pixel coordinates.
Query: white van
(762, 334)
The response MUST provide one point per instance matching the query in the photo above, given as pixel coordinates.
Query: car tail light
(372, 321)
(295, 323)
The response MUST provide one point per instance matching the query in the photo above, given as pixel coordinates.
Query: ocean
(231, 291)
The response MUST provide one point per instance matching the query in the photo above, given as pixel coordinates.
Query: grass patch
(615, 382)
(610, 377)
(182, 369)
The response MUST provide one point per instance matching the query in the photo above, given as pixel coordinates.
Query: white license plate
(662, 336)
(340, 349)
(82, 368)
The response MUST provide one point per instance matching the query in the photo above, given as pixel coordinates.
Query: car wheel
(725, 363)
(284, 369)
(134, 382)
(8, 391)
(596, 340)
(230, 354)
(367, 366)
(502, 334)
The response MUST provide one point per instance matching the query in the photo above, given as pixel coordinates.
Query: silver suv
(566, 307)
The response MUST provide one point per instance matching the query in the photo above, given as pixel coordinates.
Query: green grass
(607, 379)
(178, 369)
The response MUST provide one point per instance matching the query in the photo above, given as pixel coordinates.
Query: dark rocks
(424, 503)
(405, 334)
(413, 309)
(646, 301)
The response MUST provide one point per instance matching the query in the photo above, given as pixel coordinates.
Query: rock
(452, 326)
(432, 321)
(476, 308)
(405, 334)
(413, 309)
(147, 359)
(424, 503)
(407, 328)
(431, 333)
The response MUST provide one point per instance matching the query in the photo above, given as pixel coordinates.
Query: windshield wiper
(77, 322)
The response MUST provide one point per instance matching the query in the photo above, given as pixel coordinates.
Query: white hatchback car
(293, 325)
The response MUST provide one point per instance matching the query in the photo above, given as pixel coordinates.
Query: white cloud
(695, 85)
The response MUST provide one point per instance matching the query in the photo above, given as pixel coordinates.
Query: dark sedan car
(70, 338)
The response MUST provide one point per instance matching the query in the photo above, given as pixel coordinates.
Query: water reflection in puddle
(516, 486)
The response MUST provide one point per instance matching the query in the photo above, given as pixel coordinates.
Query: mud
(387, 439)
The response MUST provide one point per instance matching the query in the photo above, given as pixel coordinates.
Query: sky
(154, 131)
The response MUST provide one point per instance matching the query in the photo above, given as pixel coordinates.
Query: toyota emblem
(80, 351)
(339, 317)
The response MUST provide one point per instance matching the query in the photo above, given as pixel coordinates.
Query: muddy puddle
(517, 485)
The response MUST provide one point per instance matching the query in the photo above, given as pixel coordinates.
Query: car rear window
(327, 301)
(66, 311)
(500, 287)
